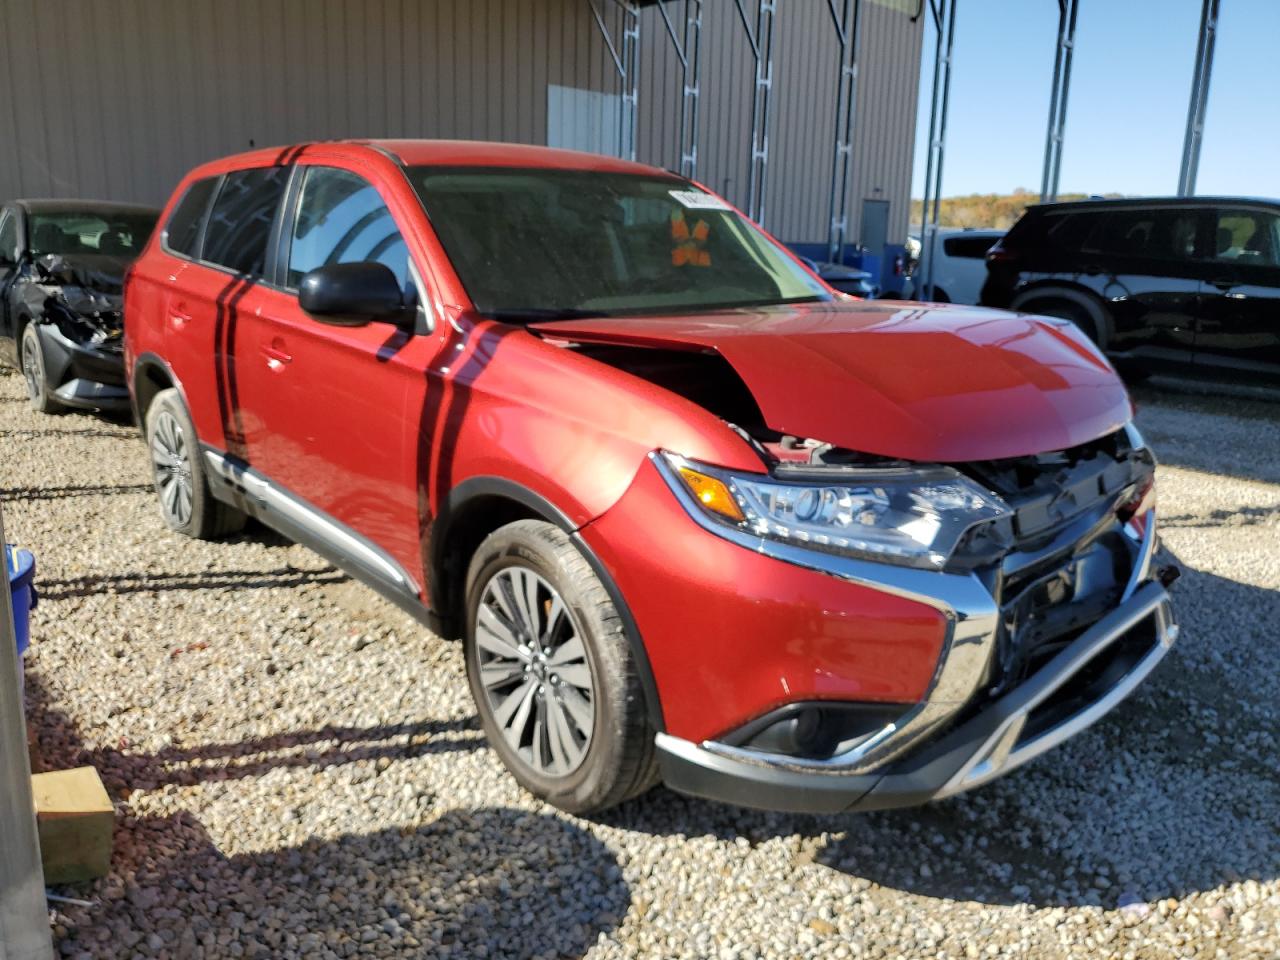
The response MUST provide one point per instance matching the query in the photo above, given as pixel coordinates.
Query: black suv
(1187, 285)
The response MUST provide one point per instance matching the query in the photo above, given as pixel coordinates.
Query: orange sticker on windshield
(690, 244)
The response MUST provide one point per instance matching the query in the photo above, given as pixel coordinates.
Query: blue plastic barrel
(22, 572)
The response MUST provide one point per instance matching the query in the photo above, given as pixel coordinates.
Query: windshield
(538, 243)
(70, 232)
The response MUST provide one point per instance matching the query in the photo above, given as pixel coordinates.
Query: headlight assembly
(910, 516)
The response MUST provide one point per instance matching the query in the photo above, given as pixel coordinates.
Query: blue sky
(1127, 108)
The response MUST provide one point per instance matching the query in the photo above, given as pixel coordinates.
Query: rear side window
(1151, 234)
(970, 248)
(240, 222)
(182, 232)
(342, 219)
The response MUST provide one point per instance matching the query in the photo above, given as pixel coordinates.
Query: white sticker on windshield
(697, 200)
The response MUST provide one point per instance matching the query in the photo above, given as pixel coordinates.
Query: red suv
(694, 515)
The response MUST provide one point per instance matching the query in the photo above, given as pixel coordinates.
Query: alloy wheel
(534, 670)
(171, 460)
(33, 369)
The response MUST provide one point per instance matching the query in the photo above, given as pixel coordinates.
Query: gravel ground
(298, 771)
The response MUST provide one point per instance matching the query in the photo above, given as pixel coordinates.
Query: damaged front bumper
(938, 748)
(87, 376)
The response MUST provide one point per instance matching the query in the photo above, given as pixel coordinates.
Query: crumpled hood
(940, 383)
(101, 272)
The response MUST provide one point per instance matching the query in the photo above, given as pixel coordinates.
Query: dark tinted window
(117, 233)
(1247, 237)
(973, 248)
(342, 219)
(183, 230)
(240, 222)
(1067, 231)
(1151, 234)
(528, 243)
(8, 236)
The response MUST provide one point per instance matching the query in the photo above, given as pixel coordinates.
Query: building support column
(688, 52)
(1067, 10)
(627, 63)
(1199, 99)
(846, 25)
(761, 40)
(24, 917)
(944, 22)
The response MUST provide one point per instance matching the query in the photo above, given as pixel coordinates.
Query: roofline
(1154, 201)
(36, 204)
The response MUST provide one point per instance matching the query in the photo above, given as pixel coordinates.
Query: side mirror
(351, 294)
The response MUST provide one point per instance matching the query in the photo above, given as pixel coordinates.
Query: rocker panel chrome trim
(318, 527)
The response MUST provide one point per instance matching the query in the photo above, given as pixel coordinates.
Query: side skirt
(236, 483)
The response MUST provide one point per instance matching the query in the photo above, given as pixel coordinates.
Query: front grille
(1061, 561)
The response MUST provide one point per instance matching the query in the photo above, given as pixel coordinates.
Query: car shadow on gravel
(42, 492)
(1174, 793)
(141, 582)
(57, 745)
(494, 881)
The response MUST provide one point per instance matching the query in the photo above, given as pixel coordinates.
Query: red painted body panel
(932, 383)
(731, 633)
(375, 426)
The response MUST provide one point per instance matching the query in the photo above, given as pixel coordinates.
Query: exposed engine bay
(1055, 563)
(81, 300)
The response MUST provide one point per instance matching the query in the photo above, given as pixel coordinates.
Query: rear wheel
(187, 505)
(39, 393)
(552, 672)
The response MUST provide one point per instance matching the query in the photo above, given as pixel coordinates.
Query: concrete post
(24, 920)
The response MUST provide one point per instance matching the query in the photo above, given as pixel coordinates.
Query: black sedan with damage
(62, 264)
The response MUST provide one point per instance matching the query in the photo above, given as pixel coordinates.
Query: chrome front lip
(1002, 751)
(970, 612)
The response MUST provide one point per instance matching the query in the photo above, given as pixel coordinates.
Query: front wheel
(39, 395)
(552, 672)
(186, 503)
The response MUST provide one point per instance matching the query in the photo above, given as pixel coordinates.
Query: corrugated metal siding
(122, 97)
(802, 128)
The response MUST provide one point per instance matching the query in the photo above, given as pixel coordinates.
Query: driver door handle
(179, 315)
(276, 354)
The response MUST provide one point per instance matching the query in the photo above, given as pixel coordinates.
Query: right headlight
(910, 516)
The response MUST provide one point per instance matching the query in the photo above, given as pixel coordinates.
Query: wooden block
(75, 820)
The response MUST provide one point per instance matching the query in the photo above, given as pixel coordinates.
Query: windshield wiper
(540, 313)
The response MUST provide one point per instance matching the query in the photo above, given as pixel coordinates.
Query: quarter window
(342, 219)
(240, 222)
(183, 230)
(969, 248)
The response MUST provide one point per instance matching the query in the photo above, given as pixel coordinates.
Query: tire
(31, 361)
(1065, 310)
(182, 486)
(536, 707)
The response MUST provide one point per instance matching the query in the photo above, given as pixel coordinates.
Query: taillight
(998, 254)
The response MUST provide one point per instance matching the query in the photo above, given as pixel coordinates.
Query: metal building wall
(117, 99)
(802, 131)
